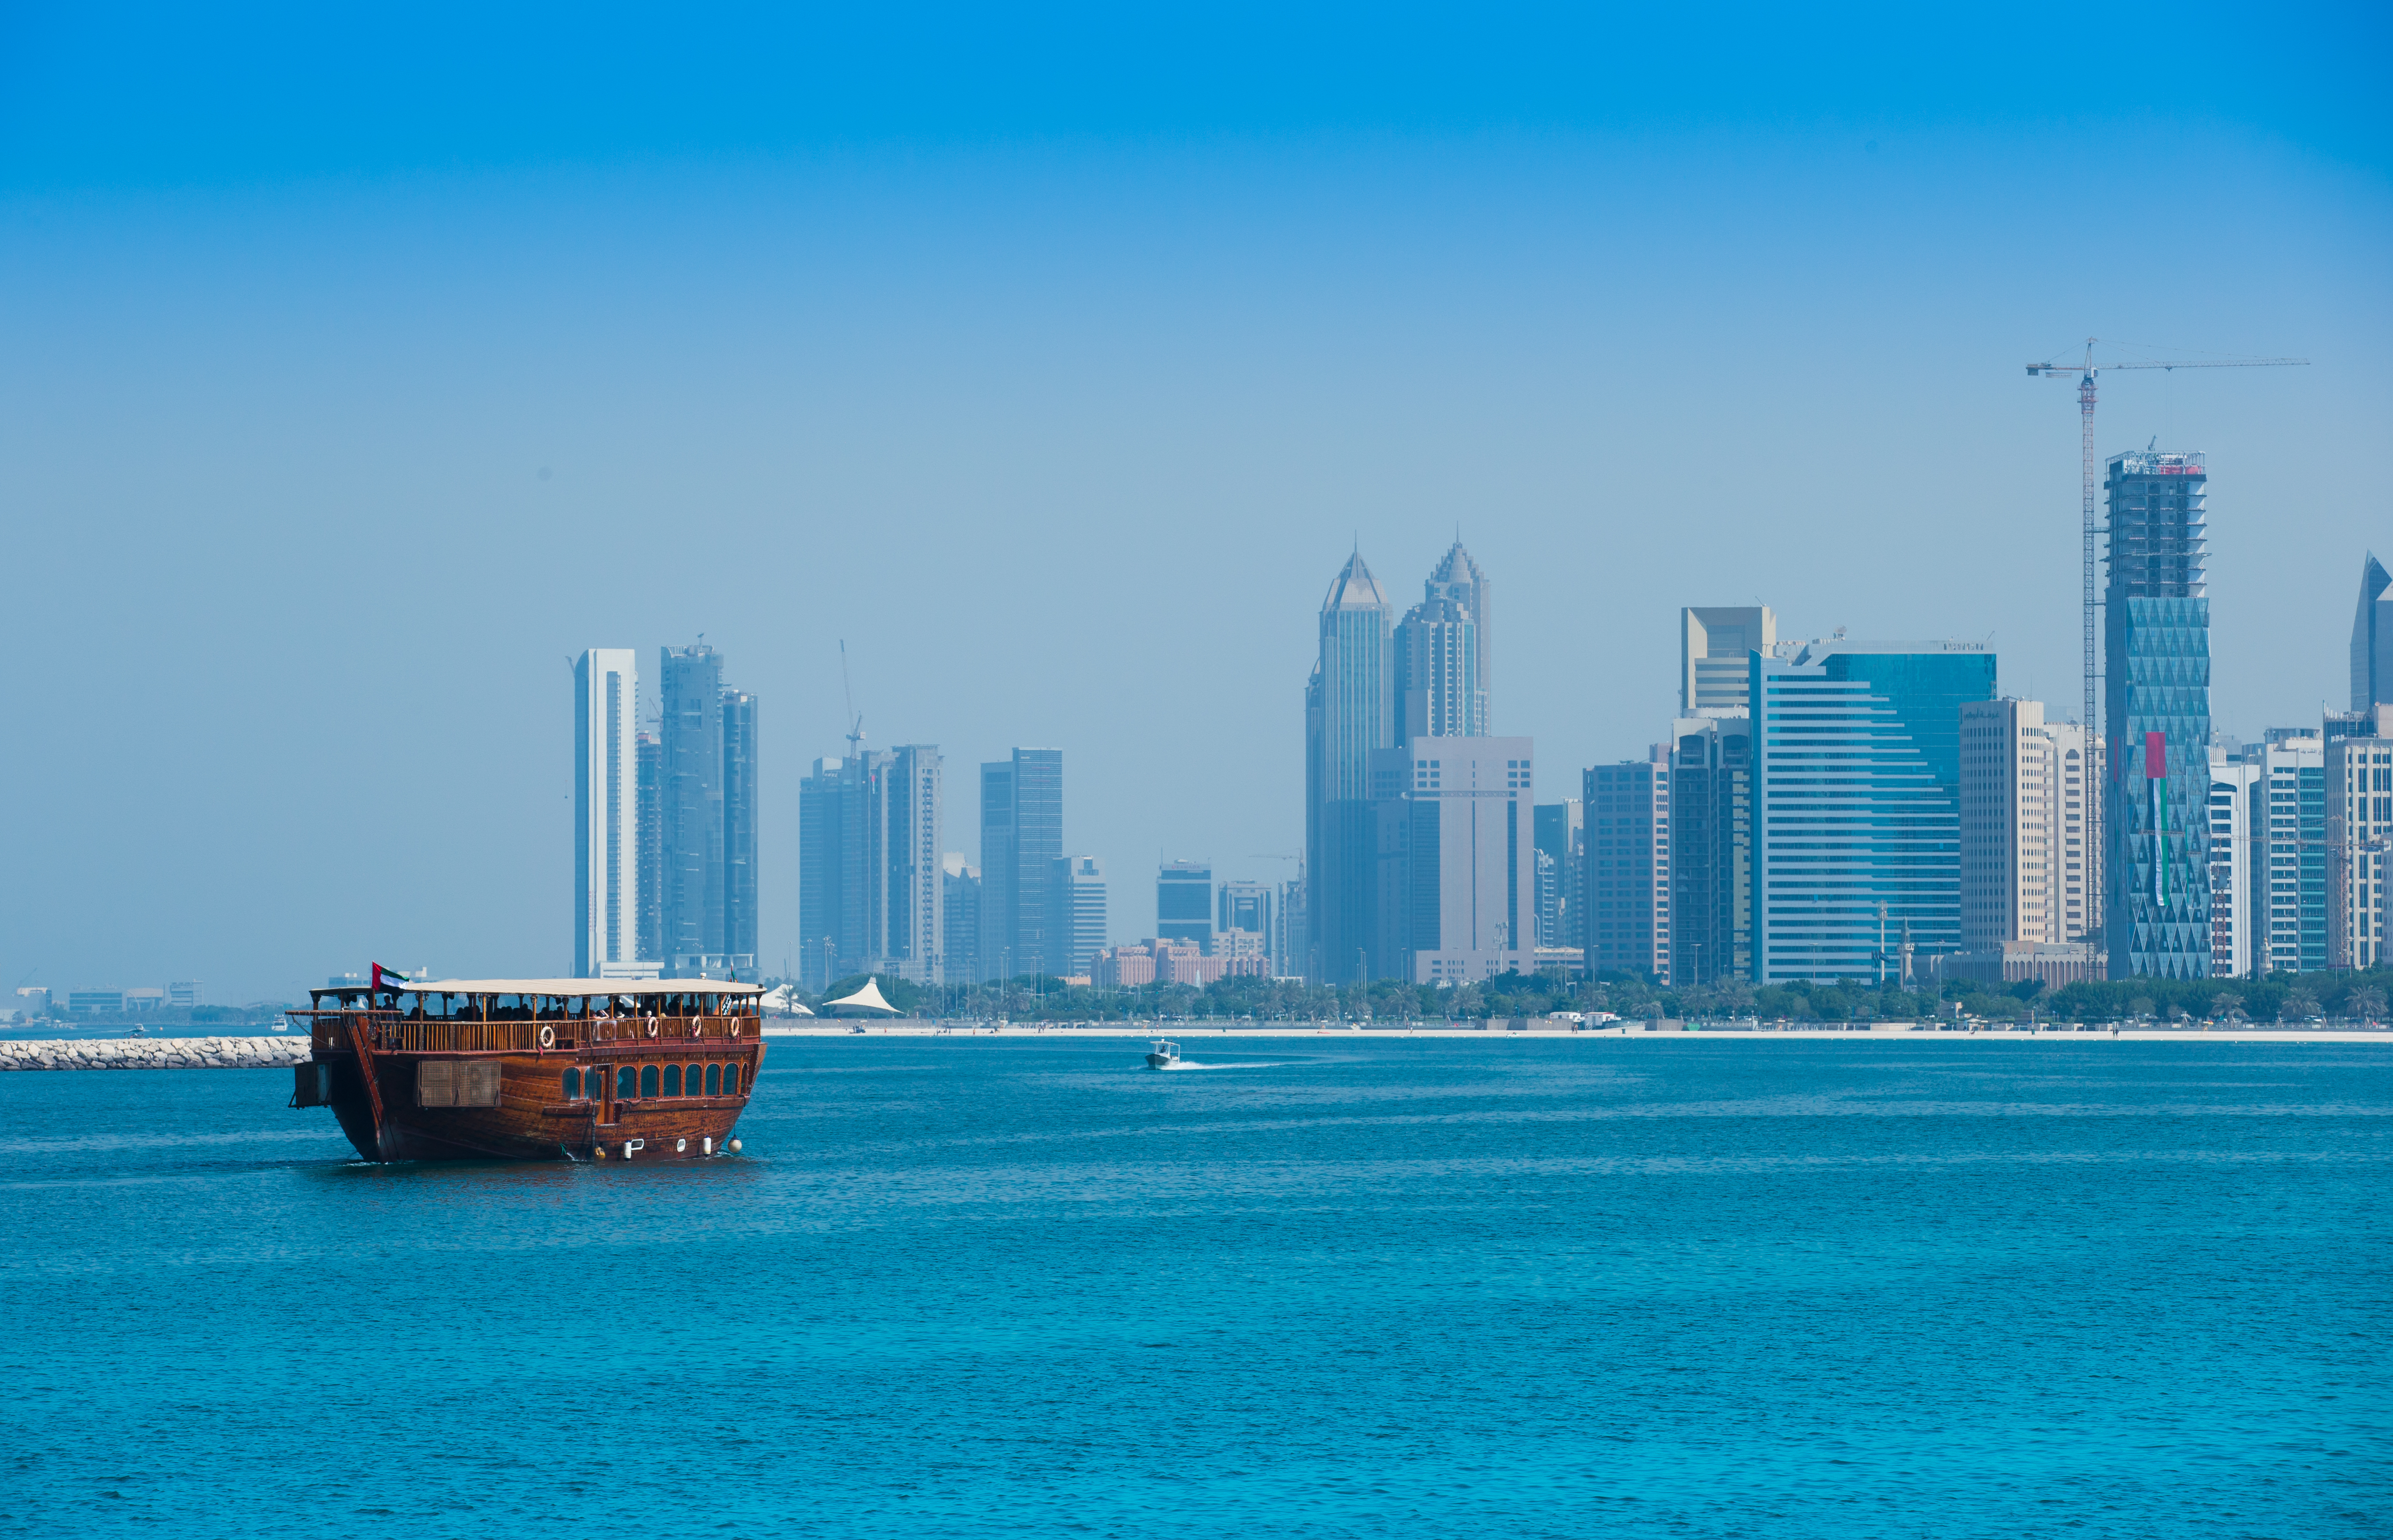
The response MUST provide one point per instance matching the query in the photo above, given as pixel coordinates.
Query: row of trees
(2359, 996)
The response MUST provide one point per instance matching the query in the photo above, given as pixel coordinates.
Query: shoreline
(282, 1051)
(1672, 1032)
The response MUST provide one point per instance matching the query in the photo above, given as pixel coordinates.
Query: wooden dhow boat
(533, 1069)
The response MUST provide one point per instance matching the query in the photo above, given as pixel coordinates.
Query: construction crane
(2054, 368)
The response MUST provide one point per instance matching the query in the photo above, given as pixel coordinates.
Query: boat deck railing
(391, 1032)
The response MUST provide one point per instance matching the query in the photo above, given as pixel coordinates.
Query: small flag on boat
(381, 975)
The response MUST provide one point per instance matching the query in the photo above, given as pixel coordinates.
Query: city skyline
(1131, 380)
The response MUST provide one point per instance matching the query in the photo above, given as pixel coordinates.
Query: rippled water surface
(972, 1287)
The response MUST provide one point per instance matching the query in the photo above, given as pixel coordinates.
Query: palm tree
(2367, 1003)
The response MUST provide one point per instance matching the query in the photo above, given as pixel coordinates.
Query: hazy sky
(356, 371)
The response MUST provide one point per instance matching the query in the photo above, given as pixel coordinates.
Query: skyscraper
(913, 939)
(605, 813)
(1022, 838)
(707, 776)
(1248, 906)
(997, 873)
(2290, 926)
(1437, 691)
(1076, 914)
(690, 734)
(1711, 849)
(962, 884)
(1628, 916)
(651, 833)
(871, 824)
(1183, 903)
(1562, 841)
(1857, 802)
(1295, 931)
(1713, 643)
(2232, 775)
(1349, 713)
(1458, 579)
(2359, 832)
(1458, 857)
(2009, 793)
(2077, 770)
(2156, 668)
(819, 875)
(2371, 638)
(740, 788)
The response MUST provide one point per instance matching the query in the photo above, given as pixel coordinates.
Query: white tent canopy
(784, 1002)
(866, 1002)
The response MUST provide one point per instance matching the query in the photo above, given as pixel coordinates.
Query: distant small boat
(1163, 1054)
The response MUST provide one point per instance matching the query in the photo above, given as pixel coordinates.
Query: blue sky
(358, 370)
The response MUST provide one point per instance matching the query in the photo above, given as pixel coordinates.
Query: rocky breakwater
(155, 1053)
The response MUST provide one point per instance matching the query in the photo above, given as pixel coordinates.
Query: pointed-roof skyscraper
(2371, 638)
(1349, 711)
(1441, 655)
(1457, 578)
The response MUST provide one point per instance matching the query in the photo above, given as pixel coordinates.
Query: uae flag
(384, 979)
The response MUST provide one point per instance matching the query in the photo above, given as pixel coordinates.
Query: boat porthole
(680, 1145)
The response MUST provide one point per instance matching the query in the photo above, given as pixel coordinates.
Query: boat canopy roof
(553, 987)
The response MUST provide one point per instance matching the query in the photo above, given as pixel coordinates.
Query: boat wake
(1251, 1063)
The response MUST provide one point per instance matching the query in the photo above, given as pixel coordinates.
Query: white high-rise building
(2232, 778)
(2290, 886)
(1076, 915)
(1713, 642)
(2359, 834)
(606, 817)
(2008, 846)
(2077, 880)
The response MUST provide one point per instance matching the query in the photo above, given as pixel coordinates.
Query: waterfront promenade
(283, 1050)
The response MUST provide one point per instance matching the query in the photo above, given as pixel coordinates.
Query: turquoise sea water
(975, 1286)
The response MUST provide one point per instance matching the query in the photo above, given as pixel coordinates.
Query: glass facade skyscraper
(2371, 638)
(2156, 711)
(1021, 840)
(1626, 919)
(707, 784)
(1857, 802)
(1711, 849)
(1349, 713)
(740, 828)
(819, 875)
(690, 733)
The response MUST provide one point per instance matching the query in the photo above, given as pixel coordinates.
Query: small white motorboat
(1162, 1053)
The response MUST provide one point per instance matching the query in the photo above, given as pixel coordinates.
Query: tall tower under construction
(2156, 711)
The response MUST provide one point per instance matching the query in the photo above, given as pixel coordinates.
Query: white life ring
(652, 1026)
(695, 1026)
(548, 1037)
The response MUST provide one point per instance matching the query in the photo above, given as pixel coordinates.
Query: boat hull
(531, 1117)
